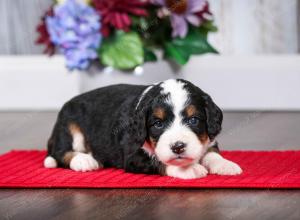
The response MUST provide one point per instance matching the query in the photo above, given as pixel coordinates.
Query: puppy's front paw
(192, 172)
(224, 167)
(83, 162)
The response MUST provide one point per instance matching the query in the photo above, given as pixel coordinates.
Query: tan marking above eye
(74, 128)
(190, 110)
(159, 113)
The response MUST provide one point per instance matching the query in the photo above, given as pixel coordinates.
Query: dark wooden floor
(150, 204)
(250, 130)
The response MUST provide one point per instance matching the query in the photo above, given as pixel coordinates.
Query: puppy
(168, 128)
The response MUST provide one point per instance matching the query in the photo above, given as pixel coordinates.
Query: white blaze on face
(177, 131)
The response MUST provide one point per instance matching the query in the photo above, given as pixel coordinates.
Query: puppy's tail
(50, 162)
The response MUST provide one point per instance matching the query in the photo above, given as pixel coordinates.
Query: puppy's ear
(141, 111)
(214, 117)
(130, 129)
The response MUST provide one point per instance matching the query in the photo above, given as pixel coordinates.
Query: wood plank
(149, 204)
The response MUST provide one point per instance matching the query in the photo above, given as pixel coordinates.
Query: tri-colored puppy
(168, 128)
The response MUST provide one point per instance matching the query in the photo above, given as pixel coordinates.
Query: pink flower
(183, 12)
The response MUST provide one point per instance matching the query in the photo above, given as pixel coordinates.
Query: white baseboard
(235, 83)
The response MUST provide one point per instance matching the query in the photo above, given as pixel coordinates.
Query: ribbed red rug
(273, 169)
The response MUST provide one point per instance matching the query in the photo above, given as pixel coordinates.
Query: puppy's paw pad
(191, 172)
(83, 162)
(225, 167)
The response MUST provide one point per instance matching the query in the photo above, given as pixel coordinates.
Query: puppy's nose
(178, 147)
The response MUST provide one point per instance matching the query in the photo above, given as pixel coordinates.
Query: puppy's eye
(158, 124)
(194, 121)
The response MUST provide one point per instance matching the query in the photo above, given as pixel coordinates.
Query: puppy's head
(180, 121)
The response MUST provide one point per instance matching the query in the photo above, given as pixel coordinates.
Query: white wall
(256, 26)
(18, 21)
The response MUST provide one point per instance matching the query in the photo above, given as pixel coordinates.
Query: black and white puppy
(168, 128)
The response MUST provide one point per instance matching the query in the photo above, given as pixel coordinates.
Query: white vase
(146, 74)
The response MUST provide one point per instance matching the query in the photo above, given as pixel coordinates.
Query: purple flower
(182, 12)
(74, 28)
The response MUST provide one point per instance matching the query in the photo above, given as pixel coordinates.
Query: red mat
(274, 169)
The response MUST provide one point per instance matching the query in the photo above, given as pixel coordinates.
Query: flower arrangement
(124, 34)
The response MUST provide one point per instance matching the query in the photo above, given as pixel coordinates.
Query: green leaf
(176, 53)
(209, 26)
(122, 51)
(180, 49)
(149, 55)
